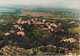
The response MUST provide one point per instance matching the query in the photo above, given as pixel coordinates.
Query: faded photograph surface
(39, 27)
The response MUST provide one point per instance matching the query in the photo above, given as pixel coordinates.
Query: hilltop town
(39, 31)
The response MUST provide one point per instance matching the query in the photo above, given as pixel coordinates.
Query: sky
(47, 3)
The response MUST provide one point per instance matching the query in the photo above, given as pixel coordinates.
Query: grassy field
(35, 14)
(75, 30)
(6, 10)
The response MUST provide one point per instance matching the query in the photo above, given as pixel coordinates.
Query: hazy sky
(49, 3)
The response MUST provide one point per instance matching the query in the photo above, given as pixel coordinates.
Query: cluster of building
(69, 40)
(35, 21)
